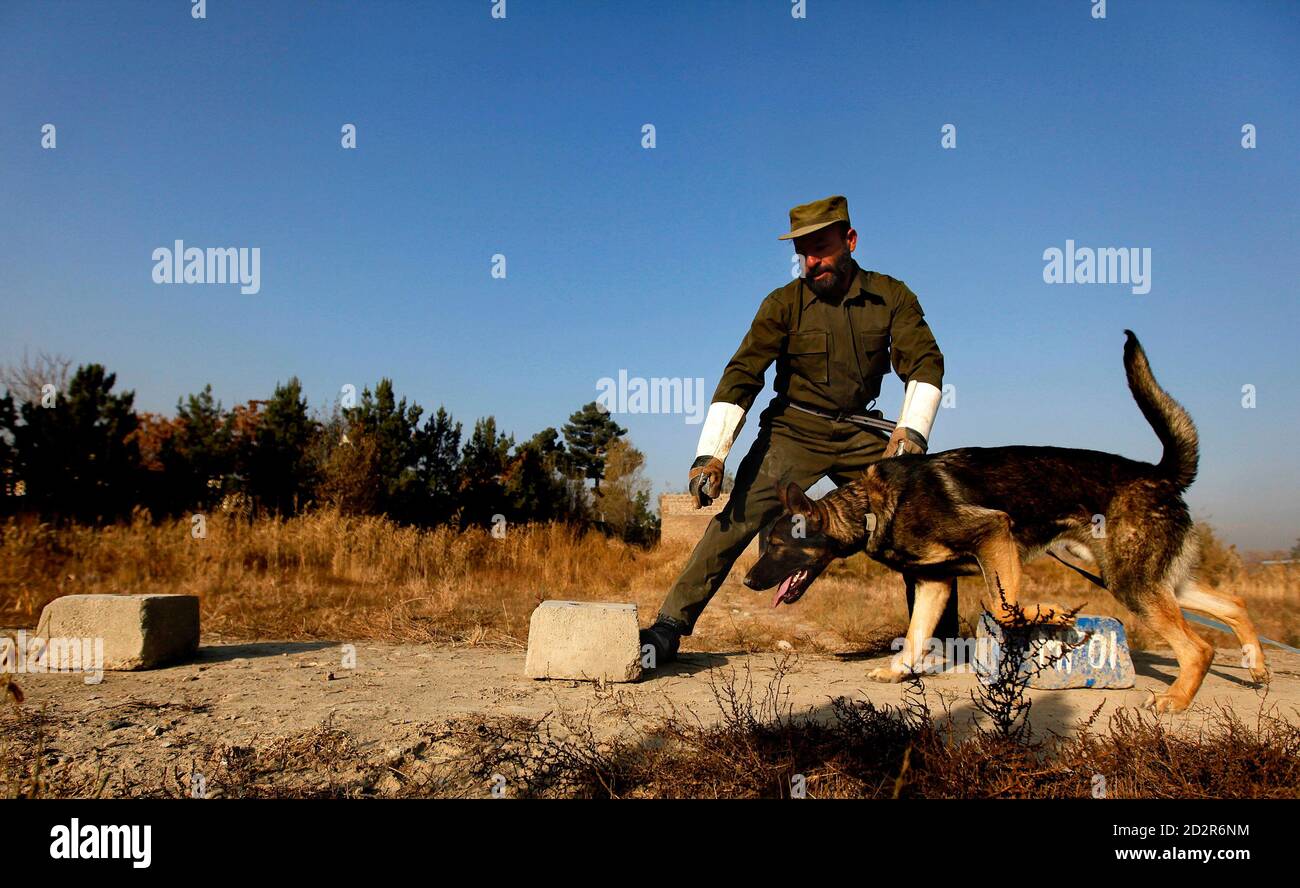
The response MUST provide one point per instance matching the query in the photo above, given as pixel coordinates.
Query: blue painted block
(1100, 660)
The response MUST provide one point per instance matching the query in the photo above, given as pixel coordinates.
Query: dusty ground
(250, 693)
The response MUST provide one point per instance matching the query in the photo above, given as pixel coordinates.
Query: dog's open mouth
(791, 588)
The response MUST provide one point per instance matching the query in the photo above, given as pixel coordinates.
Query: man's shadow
(224, 653)
(1144, 663)
(689, 663)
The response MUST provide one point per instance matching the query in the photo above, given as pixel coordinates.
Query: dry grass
(326, 576)
(763, 749)
(321, 575)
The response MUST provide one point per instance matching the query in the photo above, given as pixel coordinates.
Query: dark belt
(872, 421)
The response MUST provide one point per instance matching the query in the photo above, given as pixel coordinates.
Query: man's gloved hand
(705, 482)
(910, 440)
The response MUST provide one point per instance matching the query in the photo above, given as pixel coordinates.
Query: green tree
(588, 434)
(199, 457)
(392, 426)
(77, 457)
(535, 484)
(279, 474)
(483, 463)
(438, 467)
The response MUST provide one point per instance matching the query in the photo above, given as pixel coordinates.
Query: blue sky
(522, 137)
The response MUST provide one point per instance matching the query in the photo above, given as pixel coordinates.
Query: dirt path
(251, 693)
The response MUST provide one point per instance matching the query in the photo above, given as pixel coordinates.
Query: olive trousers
(782, 453)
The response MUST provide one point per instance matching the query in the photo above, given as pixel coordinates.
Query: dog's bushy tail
(1172, 424)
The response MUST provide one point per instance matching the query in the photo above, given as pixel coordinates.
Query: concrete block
(584, 640)
(1100, 660)
(139, 631)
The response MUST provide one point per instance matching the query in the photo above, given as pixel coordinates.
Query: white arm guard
(720, 428)
(920, 404)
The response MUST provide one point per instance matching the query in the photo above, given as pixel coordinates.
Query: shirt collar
(863, 281)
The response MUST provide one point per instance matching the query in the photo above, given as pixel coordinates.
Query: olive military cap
(807, 218)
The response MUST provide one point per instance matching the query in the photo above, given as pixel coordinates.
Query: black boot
(664, 638)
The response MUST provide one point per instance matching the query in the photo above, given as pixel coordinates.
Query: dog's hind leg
(918, 653)
(994, 547)
(1152, 551)
(1194, 653)
(1230, 609)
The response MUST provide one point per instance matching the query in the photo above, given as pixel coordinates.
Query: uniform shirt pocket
(809, 355)
(875, 353)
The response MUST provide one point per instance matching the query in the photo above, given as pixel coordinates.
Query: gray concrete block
(584, 640)
(139, 631)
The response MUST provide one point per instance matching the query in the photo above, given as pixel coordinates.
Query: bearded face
(830, 277)
(828, 260)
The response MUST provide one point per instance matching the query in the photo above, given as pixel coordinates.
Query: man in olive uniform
(833, 332)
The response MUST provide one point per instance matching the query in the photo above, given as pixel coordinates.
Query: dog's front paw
(887, 675)
(1168, 702)
(1260, 675)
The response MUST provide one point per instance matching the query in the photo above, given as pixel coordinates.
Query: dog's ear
(795, 500)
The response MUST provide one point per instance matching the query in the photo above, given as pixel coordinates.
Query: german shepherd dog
(985, 510)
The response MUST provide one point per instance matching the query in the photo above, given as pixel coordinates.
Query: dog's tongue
(782, 589)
